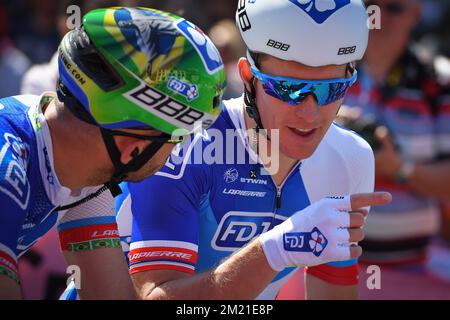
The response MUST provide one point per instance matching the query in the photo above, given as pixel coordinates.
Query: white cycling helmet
(312, 32)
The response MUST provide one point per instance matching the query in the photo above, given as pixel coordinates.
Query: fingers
(355, 252)
(353, 219)
(370, 199)
(349, 252)
(356, 235)
(364, 212)
(340, 203)
(357, 219)
(345, 239)
(360, 200)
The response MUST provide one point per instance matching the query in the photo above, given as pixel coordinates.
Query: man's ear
(130, 148)
(244, 72)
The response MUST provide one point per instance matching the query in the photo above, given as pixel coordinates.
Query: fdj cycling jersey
(191, 215)
(30, 191)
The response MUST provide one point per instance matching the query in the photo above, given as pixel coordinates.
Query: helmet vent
(91, 62)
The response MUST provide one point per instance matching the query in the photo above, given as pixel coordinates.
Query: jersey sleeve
(91, 225)
(361, 165)
(363, 170)
(165, 209)
(14, 199)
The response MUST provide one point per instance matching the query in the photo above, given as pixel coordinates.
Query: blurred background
(403, 89)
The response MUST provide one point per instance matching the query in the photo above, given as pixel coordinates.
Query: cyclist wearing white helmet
(299, 67)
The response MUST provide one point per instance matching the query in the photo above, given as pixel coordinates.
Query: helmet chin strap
(252, 110)
(137, 162)
(121, 170)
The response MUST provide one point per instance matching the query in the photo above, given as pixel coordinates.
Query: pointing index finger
(362, 200)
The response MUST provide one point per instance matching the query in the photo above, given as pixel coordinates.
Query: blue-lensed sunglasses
(294, 91)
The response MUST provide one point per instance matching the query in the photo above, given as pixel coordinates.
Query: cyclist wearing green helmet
(130, 78)
(140, 69)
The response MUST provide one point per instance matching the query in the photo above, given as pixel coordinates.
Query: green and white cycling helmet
(133, 67)
(140, 68)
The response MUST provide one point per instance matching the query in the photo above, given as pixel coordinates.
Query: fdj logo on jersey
(204, 46)
(14, 156)
(313, 241)
(238, 228)
(321, 10)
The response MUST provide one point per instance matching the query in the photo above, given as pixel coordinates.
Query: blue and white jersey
(29, 188)
(191, 215)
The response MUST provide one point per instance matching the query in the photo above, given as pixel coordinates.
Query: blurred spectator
(43, 270)
(33, 81)
(408, 93)
(42, 77)
(433, 31)
(218, 10)
(91, 5)
(34, 23)
(13, 63)
(226, 37)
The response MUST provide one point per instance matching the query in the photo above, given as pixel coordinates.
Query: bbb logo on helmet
(320, 10)
(278, 45)
(244, 21)
(164, 106)
(204, 46)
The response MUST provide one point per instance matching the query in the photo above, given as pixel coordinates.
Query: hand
(387, 159)
(322, 232)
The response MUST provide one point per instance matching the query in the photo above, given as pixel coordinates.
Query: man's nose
(308, 109)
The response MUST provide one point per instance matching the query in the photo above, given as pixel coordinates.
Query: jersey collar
(55, 191)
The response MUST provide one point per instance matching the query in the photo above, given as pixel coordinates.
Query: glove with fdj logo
(315, 235)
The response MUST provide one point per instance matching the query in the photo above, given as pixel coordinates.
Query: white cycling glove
(315, 235)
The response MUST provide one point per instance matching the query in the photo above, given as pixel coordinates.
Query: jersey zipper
(278, 198)
(280, 187)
